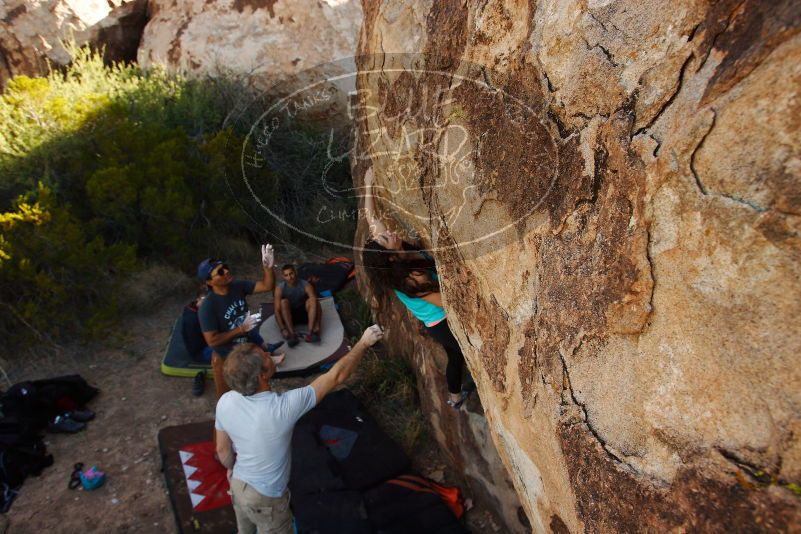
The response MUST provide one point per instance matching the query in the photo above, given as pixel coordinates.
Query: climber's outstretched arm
(374, 222)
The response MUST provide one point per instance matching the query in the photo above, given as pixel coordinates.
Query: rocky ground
(135, 401)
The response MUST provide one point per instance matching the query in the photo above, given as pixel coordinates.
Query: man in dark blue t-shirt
(224, 317)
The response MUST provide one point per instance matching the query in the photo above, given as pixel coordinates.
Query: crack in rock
(609, 57)
(670, 100)
(568, 386)
(653, 276)
(698, 182)
(702, 188)
(714, 41)
(551, 87)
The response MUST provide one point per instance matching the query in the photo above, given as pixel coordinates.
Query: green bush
(103, 169)
(55, 278)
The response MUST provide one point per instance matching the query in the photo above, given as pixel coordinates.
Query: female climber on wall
(393, 263)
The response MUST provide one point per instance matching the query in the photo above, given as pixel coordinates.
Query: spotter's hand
(372, 335)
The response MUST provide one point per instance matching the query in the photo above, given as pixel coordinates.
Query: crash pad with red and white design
(197, 483)
(206, 478)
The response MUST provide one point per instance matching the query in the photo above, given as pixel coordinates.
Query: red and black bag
(450, 495)
(411, 504)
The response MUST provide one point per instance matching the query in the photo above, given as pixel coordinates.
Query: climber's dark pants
(453, 372)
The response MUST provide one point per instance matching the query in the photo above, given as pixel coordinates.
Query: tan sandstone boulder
(612, 191)
(33, 33)
(263, 39)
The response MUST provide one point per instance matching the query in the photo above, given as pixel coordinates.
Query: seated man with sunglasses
(224, 317)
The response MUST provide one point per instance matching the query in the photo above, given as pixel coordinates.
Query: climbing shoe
(272, 346)
(199, 384)
(82, 416)
(457, 405)
(292, 340)
(313, 337)
(65, 425)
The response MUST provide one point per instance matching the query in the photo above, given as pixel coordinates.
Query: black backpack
(22, 452)
(25, 410)
(39, 401)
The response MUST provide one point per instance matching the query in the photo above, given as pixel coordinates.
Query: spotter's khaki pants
(258, 513)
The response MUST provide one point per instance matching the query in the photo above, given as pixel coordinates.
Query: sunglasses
(222, 269)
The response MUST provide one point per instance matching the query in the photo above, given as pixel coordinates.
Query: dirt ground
(134, 402)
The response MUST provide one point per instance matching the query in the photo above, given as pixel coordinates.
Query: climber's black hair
(391, 268)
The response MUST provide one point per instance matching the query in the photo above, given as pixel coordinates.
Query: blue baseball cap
(205, 267)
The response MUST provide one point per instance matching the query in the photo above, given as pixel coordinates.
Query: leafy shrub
(103, 169)
(56, 279)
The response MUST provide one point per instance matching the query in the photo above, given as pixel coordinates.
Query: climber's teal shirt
(429, 313)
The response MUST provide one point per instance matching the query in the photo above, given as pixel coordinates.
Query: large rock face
(265, 39)
(612, 190)
(33, 33)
